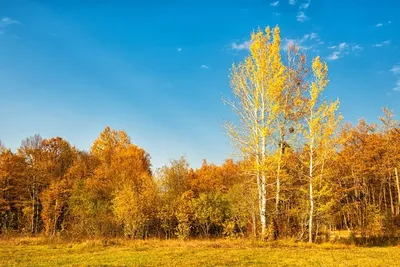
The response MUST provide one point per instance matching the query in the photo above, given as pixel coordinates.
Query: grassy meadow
(119, 252)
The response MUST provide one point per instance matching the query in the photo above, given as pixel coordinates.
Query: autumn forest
(302, 172)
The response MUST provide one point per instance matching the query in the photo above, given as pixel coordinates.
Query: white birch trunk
(311, 196)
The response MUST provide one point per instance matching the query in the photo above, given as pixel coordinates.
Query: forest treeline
(302, 173)
(51, 187)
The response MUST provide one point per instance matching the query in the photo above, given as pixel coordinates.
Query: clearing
(39, 252)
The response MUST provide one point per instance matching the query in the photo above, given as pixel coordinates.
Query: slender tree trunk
(310, 222)
(391, 197)
(33, 210)
(263, 176)
(263, 213)
(316, 229)
(348, 221)
(262, 201)
(35, 207)
(254, 224)
(55, 218)
(258, 177)
(278, 187)
(384, 198)
(373, 197)
(345, 222)
(398, 189)
(37, 217)
(278, 190)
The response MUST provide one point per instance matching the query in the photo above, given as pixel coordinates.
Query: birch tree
(289, 115)
(320, 124)
(257, 84)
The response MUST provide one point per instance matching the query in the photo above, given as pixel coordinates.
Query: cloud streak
(308, 41)
(301, 16)
(339, 52)
(276, 3)
(342, 49)
(305, 5)
(6, 22)
(334, 56)
(381, 24)
(396, 72)
(384, 43)
(357, 48)
(240, 46)
(397, 86)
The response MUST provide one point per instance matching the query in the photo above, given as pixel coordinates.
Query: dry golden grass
(121, 252)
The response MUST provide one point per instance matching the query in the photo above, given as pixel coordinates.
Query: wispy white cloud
(397, 86)
(204, 67)
(241, 46)
(311, 36)
(308, 41)
(179, 49)
(301, 16)
(357, 47)
(292, 2)
(396, 72)
(387, 42)
(305, 5)
(276, 3)
(380, 24)
(343, 46)
(342, 49)
(334, 56)
(5, 22)
(396, 69)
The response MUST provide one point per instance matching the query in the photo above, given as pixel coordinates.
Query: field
(38, 252)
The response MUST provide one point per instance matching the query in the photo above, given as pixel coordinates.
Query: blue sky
(159, 71)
